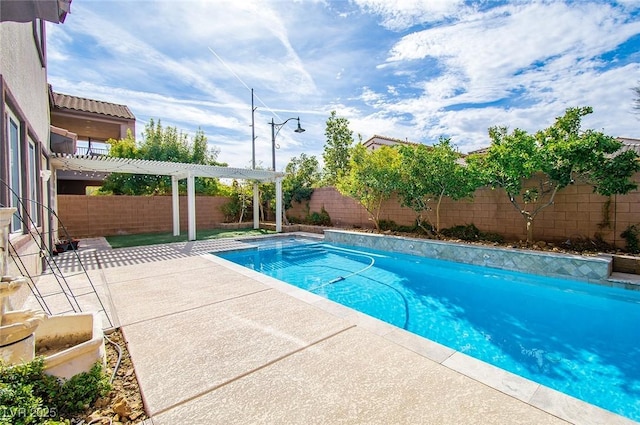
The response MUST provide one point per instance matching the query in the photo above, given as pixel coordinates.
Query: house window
(38, 37)
(15, 183)
(34, 210)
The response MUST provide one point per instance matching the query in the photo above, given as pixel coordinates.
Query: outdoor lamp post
(275, 129)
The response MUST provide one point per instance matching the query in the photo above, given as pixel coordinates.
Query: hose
(341, 278)
(119, 350)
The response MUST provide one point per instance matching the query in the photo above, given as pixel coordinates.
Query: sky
(414, 70)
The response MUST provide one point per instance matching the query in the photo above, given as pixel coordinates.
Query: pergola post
(256, 206)
(278, 204)
(175, 202)
(191, 206)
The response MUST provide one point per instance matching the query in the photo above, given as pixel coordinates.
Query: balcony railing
(92, 151)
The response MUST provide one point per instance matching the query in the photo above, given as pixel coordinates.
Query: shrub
(491, 237)
(390, 225)
(467, 232)
(470, 232)
(585, 244)
(387, 225)
(29, 396)
(232, 210)
(295, 220)
(321, 218)
(631, 236)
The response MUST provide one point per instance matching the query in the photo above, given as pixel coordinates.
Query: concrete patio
(213, 342)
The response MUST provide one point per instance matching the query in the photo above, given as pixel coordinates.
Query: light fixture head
(299, 129)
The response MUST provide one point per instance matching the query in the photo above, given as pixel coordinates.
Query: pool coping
(554, 402)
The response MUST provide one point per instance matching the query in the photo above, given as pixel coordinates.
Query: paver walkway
(213, 343)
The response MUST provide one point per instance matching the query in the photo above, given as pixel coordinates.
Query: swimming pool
(577, 338)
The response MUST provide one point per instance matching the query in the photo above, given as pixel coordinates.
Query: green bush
(631, 236)
(467, 232)
(29, 396)
(585, 244)
(319, 218)
(491, 237)
(470, 232)
(233, 209)
(387, 225)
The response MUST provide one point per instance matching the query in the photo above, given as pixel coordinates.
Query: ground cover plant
(29, 396)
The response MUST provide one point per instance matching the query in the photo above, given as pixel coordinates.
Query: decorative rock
(102, 402)
(122, 408)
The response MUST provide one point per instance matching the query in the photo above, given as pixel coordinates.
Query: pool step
(303, 253)
(626, 264)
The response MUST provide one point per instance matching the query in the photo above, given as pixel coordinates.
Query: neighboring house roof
(479, 151)
(74, 103)
(378, 141)
(629, 144)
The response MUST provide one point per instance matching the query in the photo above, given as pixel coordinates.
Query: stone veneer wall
(592, 269)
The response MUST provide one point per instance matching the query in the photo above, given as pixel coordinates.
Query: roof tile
(65, 101)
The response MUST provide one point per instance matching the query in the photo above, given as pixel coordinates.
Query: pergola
(177, 171)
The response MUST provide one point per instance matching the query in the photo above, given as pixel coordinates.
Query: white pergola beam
(107, 164)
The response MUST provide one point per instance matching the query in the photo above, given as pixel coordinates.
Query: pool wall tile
(593, 269)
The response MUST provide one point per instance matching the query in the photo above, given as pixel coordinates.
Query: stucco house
(25, 170)
(82, 126)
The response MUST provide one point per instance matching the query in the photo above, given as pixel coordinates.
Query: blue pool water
(578, 338)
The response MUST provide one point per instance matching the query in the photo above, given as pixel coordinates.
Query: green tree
(267, 195)
(336, 149)
(160, 144)
(554, 158)
(239, 205)
(433, 173)
(302, 176)
(372, 178)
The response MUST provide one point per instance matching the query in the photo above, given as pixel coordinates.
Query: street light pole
(273, 145)
(275, 129)
(253, 134)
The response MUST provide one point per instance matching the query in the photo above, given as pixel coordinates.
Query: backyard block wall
(577, 212)
(91, 216)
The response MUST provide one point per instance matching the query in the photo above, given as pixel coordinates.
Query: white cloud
(401, 14)
(404, 69)
(486, 51)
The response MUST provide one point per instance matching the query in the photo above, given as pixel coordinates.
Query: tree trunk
(438, 213)
(529, 230)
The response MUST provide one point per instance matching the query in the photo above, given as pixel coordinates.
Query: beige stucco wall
(25, 87)
(25, 76)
